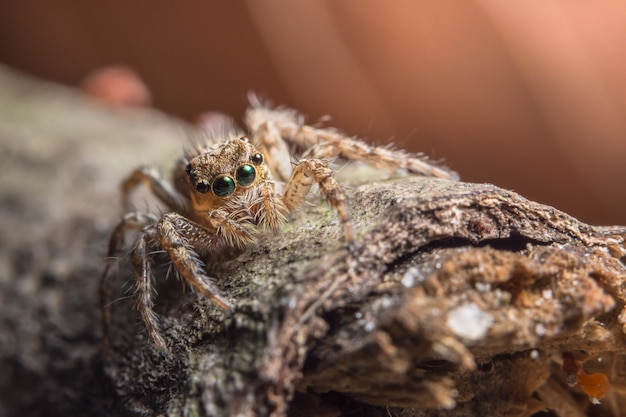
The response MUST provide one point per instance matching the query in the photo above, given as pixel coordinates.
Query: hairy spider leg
(144, 284)
(233, 231)
(149, 177)
(172, 234)
(270, 125)
(305, 173)
(381, 157)
(130, 222)
(278, 156)
(272, 210)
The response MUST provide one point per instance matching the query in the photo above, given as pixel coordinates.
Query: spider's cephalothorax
(229, 187)
(228, 191)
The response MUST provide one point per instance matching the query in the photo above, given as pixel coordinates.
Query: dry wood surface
(458, 299)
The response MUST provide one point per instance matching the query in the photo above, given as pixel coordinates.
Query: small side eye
(245, 175)
(223, 186)
(188, 169)
(203, 187)
(257, 159)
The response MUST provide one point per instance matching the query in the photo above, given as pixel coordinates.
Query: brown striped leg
(309, 171)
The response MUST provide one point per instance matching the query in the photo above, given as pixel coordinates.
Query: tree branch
(458, 299)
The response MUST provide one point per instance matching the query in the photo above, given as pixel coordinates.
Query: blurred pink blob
(117, 85)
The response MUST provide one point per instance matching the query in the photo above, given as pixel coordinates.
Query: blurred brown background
(530, 96)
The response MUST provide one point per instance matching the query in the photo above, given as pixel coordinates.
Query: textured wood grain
(458, 299)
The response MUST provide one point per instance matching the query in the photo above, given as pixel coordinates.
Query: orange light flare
(596, 386)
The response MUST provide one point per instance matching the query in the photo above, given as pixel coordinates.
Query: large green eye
(223, 186)
(245, 175)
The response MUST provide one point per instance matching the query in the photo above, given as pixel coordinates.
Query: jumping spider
(229, 190)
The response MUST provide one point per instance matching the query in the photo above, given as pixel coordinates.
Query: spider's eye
(257, 159)
(223, 186)
(188, 169)
(203, 187)
(245, 175)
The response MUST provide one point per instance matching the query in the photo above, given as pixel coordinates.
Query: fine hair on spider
(227, 191)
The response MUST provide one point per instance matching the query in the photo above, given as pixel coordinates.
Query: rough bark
(458, 299)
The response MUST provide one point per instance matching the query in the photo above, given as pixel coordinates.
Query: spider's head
(224, 171)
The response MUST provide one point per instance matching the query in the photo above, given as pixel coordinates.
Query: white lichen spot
(469, 321)
(369, 326)
(456, 215)
(534, 354)
(483, 287)
(540, 329)
(409, 277)
(547, 294)
(292, 303)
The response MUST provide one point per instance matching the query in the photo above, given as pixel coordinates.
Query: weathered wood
(458, 299)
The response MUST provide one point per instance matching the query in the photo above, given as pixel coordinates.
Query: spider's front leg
(149, 177)
(181, 239)
(305, 173)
